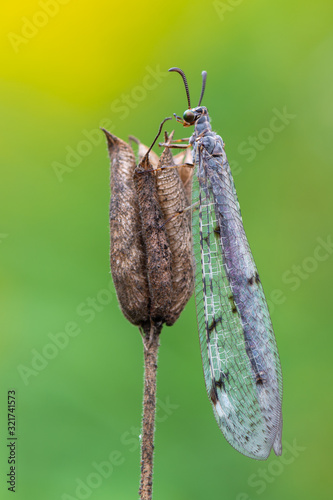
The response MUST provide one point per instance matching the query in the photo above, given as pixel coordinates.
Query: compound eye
(188, 116)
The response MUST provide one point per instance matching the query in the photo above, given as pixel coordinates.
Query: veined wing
(239, 353)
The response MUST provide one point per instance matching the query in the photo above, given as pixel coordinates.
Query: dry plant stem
(151, 345)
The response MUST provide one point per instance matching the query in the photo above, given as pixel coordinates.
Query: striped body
(239, 353)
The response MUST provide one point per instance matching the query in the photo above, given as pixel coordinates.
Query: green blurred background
(68, 67)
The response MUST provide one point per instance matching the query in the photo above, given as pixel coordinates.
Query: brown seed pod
(183, 158)
(142, 150)
(151, 250)
(186, 174)
(172, 200)
(128, 261)
(158, 254)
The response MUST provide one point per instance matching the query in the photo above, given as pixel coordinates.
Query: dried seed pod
(179, 158)
(158, 254)
(172, 200)
(186, 174)
(128, 261)
(184, 157)
(142, 151)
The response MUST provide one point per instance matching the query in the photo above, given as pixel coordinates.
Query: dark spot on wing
(261, 378)
(217, 230)
(254, 279)
(204, 287)
(214, 323)
(213, 394)
(233, 305)
(220, 382)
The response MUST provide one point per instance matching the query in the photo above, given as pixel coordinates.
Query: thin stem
(151, 345)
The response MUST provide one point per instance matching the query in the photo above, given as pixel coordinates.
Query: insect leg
(180, 212)
(175, 146)
(186, 139)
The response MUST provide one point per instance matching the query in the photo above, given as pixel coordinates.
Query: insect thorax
(203, 135)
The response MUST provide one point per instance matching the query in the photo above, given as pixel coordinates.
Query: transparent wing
(239, 353)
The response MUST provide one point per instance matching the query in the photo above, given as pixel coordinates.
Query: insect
(239, 353)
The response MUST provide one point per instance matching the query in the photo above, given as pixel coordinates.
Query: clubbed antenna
(182, 74)
(204, 78)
